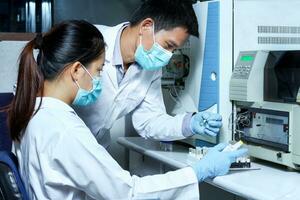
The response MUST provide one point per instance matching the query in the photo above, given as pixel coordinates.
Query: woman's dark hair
(65, 43)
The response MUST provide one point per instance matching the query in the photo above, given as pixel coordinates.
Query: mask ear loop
(154, 40)
(89, 75)
(140, 35)
(76, 82)
(87, 71)
(153, 35)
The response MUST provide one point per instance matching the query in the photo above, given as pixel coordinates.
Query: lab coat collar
(52, 103)
(117, 56)
(111, 35)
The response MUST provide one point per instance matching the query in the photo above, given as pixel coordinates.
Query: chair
(11, 185)
(5, 141)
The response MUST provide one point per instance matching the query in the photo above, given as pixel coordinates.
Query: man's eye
(169, 46)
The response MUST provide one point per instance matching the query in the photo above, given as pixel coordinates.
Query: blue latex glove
(206, 123)
(215, 162)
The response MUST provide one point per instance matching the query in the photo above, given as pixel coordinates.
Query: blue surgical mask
(153, 59)
(85, 97)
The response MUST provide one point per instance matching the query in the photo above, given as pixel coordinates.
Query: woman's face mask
(153, 59)
(85, 97)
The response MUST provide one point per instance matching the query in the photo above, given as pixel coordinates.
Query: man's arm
(151, 120)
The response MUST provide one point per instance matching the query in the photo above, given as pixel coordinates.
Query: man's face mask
(85, 97)
(153, 59)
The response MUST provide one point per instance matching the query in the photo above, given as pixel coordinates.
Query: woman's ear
(76, 71)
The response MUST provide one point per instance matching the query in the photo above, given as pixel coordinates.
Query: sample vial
(233, 147)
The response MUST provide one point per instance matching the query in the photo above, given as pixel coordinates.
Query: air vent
(279, 29)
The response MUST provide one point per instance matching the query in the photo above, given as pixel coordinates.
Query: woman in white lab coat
(59, 157)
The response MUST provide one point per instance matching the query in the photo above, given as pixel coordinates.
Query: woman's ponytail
(29, 85)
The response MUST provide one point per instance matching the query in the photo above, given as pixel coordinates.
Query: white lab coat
(140, 93)
(60, 159)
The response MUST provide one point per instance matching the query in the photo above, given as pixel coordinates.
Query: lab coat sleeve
(81, 162)
(150, 119)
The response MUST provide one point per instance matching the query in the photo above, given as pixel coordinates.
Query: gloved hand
(206, 123)
(215, 162)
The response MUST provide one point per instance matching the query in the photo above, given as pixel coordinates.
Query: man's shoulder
(102, 27)
(105, 28)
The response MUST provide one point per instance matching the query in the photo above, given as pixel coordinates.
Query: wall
(9, 52)
(95, 11)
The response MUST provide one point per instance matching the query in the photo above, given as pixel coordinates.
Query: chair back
(11, 185)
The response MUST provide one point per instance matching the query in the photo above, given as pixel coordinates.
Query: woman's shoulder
(51, 130)
(51, 120)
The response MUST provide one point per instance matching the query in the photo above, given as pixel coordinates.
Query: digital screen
(274, 121)
(247, 58)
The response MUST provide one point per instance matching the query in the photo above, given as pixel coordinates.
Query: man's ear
(146, 24)
(76, 71)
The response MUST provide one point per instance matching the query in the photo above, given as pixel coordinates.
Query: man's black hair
(167, 14)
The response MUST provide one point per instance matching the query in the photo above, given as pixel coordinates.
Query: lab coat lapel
(131, 73)
(110, 35)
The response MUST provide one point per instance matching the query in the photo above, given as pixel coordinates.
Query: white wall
(103, 12)
(9, 53)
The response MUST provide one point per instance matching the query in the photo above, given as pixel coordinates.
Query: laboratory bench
(269, 182)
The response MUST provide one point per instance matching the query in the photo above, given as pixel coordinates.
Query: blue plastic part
(209, 91)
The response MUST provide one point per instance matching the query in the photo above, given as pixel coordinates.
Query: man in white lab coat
(136, 52)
